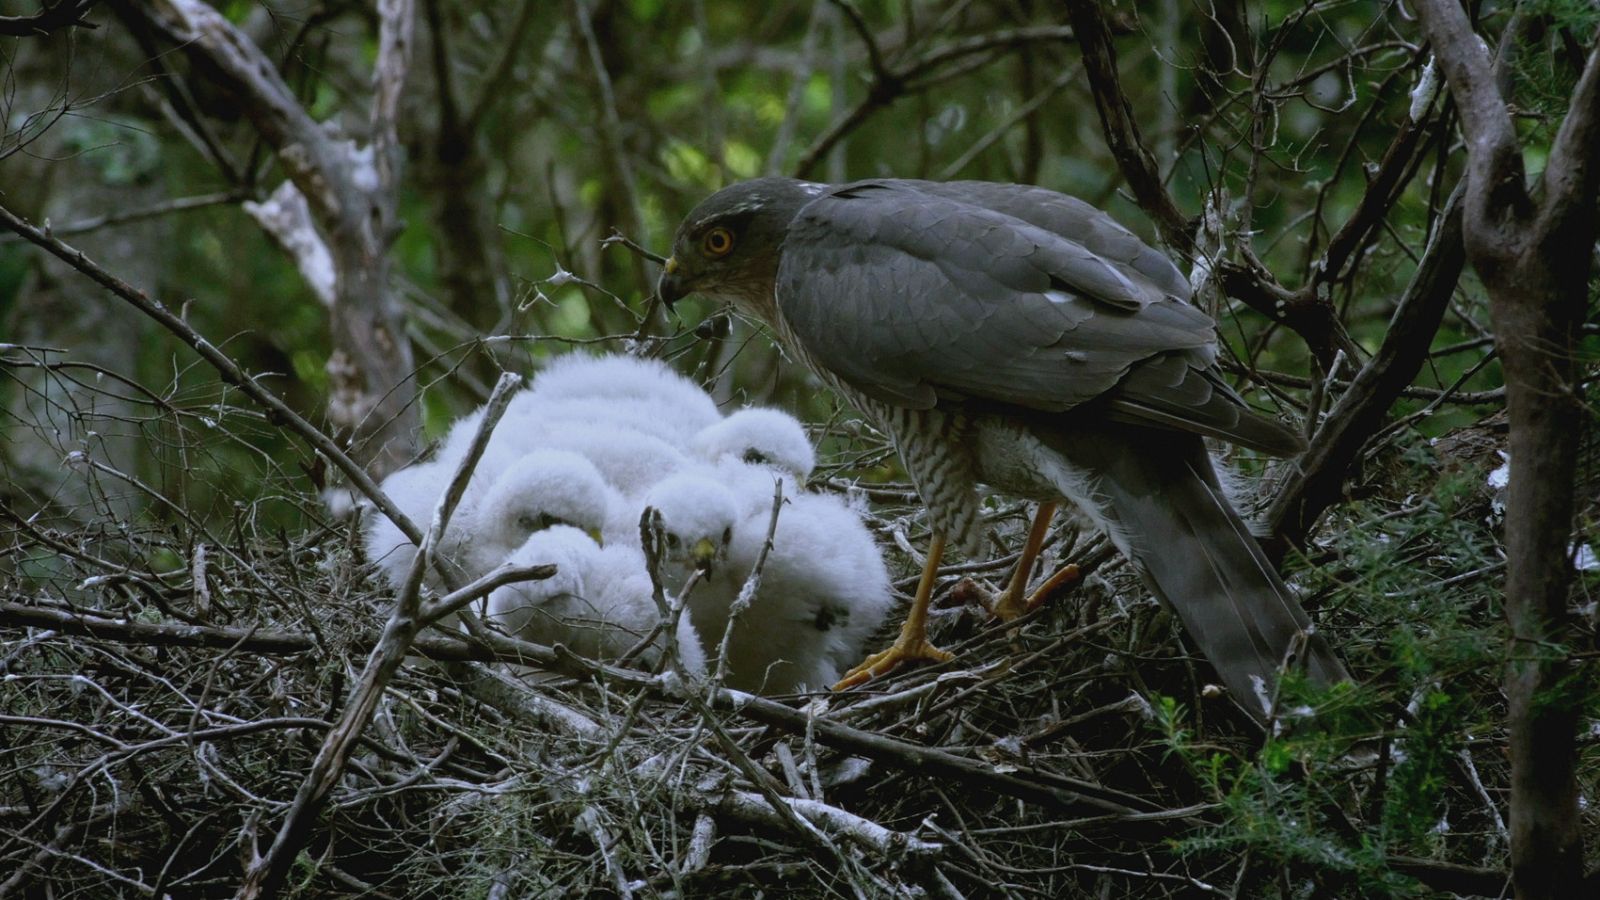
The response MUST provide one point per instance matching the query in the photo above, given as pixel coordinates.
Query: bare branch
(265, 876)
(1386, 184)
(124, 217)
(225, 366)
(351, 194)
(1534, 260)
(1121, 129)
(310, 156)
(101, 624)
(286, 218)
(880, 73)
(895, 82)
(1573, 167)
(397, 24)
(1318, 481)
(52, 16)
(1494, 157)
(494, 79)
(748, 807)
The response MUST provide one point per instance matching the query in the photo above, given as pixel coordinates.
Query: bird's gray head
(728, 247)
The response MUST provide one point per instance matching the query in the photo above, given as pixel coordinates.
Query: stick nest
(183, 624)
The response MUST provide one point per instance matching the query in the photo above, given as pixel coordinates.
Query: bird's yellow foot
(1064, 577)
(903, 650)
(1010, 603)
(1004, 606)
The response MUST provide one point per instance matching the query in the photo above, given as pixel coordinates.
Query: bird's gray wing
(1072, 219)
(1167, 512)
(910, 295)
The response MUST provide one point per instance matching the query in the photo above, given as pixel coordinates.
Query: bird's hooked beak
(703, 554)
(670, 288)
(596, 534)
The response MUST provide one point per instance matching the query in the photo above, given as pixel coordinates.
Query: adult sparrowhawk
(1020, 338)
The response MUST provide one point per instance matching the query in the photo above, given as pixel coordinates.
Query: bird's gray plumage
(964, 302)
(971, 315)
(1166, 511)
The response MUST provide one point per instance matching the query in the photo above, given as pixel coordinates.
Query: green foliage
(1351, 776)
(119, 150)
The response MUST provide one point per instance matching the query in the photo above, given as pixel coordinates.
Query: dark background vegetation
(187, 621)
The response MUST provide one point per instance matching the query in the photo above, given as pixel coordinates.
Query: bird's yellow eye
(717, 242)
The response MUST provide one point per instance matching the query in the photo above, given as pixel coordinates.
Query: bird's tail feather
(1159, 498)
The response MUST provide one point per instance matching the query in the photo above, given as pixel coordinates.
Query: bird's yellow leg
(1015, 600)
(912, 644)
(1067, 574)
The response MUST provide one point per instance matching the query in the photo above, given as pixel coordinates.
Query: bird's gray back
(1071, 218)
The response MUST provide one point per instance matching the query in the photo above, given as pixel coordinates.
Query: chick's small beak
(704, 553)
(671, 288)
(598, 537)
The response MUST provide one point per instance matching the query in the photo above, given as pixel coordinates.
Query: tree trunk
(1537, 308)
(1532, 249)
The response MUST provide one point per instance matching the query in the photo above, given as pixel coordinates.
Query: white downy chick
(619, 377)
(824, 593)
(508, 443)
(416, 490)
(752, 448)
(598, 604)
(759, 436)
(540, 490)
(698, 517)
(621, 592)
(630, 460)
(643, 396)
(543, 413)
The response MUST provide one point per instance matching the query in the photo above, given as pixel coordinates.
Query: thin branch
(1383, 188)
(1307, 312)
(1573, 167)
(494, 80)
(266, 874)
(754, 808)
(106, 625)
(892, 83)
(880, 74)
(433, 611)
(153, 211)
(1122, 129)
(279, 411)
(50, 17)
(1336, 445)
(397, 20)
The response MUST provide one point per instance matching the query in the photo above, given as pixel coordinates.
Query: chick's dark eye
(717, 242)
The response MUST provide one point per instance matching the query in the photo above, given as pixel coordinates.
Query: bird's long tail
(1160, 500)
